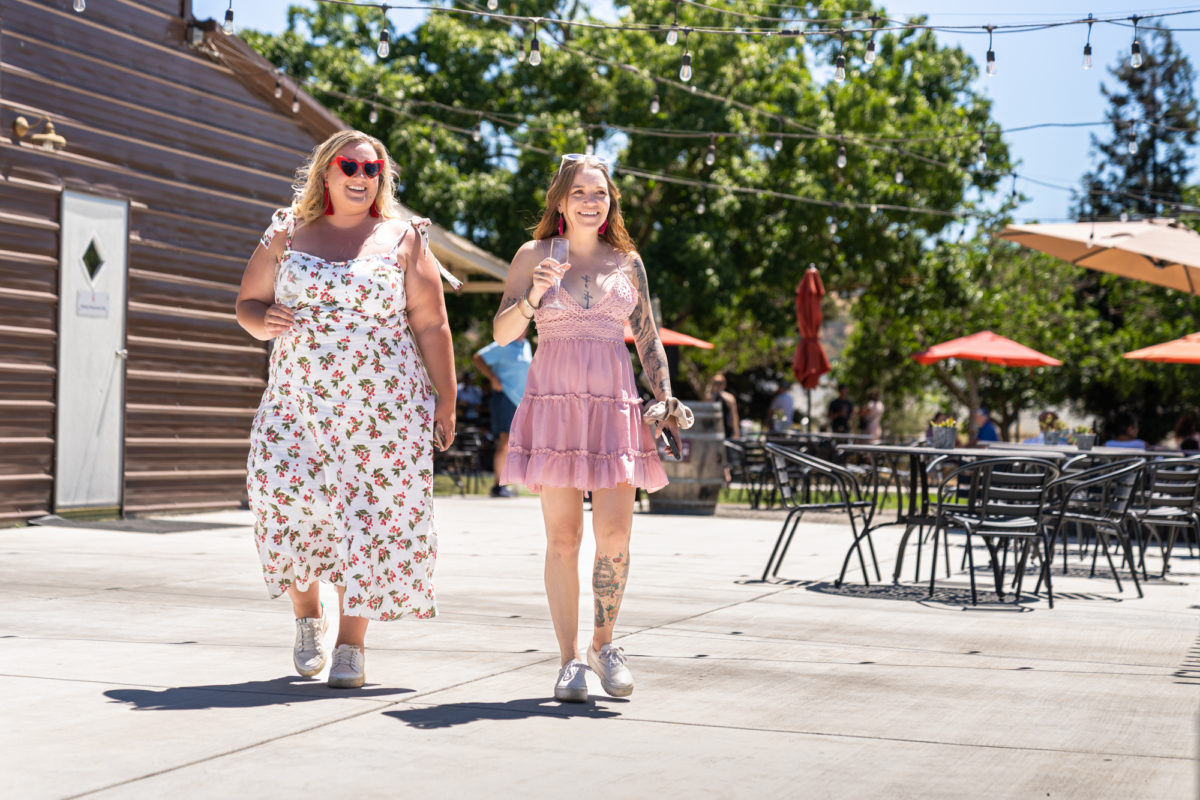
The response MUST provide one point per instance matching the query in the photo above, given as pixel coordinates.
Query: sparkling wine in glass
(559, 254)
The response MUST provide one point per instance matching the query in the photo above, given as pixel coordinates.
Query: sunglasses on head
(569, 158)
(349, 166)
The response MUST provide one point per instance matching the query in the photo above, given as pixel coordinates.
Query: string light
(278, 89)
(701, 206)
(591, 146)
(385, 43)
(673, 34)
(80, 6)
(493, 4)
(841, 159)
(833, 227)
(227, 28)
(296, 102)
(981, 156)
(1087, 47)
(373, 116)
(432, 143)
(899, 176)
(1135, 50)
(869, 56)
(710, 157)
(991, 54)
(685, 70)
(839, 70)
(520, 45)
(1132, 139)
(778, 142)
(477, 131)
(535, 49)
(654, 105)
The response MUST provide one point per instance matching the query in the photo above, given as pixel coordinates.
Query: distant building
(126, 384)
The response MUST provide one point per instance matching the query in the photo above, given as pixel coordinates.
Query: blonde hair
(308, 192)
(615, 234)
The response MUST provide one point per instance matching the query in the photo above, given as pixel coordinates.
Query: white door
(91, 353)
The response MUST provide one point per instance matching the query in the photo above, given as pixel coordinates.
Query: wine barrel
(697, 477)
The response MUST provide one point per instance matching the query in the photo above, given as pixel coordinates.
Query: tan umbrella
(1158, 251)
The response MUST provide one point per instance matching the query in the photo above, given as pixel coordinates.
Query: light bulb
(685, 72)
(710, 157)
(385, 44)
(833, 228)
(80, 6)
(1087, 56)
(874, 208)
(295, 105)
(991, 63)
(899, 176)
(1135, 54)
(654, 105)
(778, 143)
(673, 35)
(700, 207)
(432, 145)
(521, 54)
(227, 28)
(839, 71)
(476, 134)
(981, 157)
(591, 146)
(373, 116)
(841, 159)
(493, 4)
(1133, 145)
(278, 89)
(869, 56)
(535, 52)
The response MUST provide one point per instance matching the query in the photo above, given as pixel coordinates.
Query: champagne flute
(560, 248)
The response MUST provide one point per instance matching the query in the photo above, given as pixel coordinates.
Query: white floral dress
(340, 472)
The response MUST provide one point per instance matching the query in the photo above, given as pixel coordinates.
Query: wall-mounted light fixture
(47, 139)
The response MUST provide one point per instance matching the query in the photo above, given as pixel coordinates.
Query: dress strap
(284, 220)
(421, 226)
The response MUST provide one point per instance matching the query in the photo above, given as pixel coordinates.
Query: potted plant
(944, 433)
(1053, 432)
(1084, 438)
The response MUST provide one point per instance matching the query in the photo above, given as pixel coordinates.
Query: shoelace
(308, 634)
(352, 655)
(613, 655)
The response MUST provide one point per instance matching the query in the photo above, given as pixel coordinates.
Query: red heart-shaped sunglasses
(349, 166)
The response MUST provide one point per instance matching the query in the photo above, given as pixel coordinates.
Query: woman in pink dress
(579, 426)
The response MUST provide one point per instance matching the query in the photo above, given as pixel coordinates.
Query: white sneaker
(349, 667)
(609, 666)
(309, 653)
(572, 683)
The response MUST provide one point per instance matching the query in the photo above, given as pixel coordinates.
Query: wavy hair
(615, 234)
(308, 192)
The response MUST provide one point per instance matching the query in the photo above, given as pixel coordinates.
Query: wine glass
(559, 253)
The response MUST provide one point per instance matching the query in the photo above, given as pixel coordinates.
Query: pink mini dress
(579, 424)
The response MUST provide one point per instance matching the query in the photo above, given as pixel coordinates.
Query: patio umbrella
(810, 361)
(1158, 251)
(990, 348)
(671, 338)
(1185, 350)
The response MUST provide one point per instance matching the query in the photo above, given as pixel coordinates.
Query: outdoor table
(1071, 450)
(920, 456)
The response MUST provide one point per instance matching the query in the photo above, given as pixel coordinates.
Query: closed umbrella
(1185, 350)
(810, 361)
(990, 348)
(1158, 251)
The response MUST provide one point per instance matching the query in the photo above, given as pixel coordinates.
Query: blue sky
(1039, 77)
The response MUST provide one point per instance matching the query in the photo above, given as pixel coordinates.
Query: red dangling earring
(328, 203)
(560, 224)
(603, 227)
(375, 208)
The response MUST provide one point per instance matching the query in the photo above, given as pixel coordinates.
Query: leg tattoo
(608, 586)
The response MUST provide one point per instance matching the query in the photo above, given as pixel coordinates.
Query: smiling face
(587, 202)
(356, 193)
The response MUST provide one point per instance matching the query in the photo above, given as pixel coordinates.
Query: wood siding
(203, 156)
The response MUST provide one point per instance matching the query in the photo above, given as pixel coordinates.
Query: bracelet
(525, 299)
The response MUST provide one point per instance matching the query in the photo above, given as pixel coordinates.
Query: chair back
(998, 488)
(1171, 483)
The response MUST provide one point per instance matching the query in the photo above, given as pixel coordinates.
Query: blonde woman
(579, 427)
(361, 384)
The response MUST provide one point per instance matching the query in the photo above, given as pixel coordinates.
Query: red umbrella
(670, 337)
(990, 348)
(810, 361)
(1176, 351)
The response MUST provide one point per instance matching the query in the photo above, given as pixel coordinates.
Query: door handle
(122, 354)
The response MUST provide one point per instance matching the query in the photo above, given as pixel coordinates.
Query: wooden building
(126, 384)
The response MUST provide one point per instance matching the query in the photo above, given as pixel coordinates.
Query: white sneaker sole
(351, 682)
(565, 694)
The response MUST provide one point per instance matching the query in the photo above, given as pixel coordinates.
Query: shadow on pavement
(451, 714)
(251, 694)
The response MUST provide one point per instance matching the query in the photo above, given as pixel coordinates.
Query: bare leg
(306, 603)
(501, 455)
(562, 510)
(612, 524)
(351, 630)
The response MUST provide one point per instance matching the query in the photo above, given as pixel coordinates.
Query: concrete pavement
(152, 664)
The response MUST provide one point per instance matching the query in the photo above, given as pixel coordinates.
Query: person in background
(1185, 432)
(1125, 433)
(470, 398)
(870, 416)
(1046, 420)
(985, 429)
(506, 367)
(782, 410)
(729, 407)
(841, 409)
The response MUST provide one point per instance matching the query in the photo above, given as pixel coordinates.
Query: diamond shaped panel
(92, 260)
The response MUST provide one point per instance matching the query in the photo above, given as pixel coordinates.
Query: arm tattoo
(645, 335)
(608, 586)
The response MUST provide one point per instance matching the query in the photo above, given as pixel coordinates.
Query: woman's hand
(544, 275)
(278, 320)
(443, 424)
